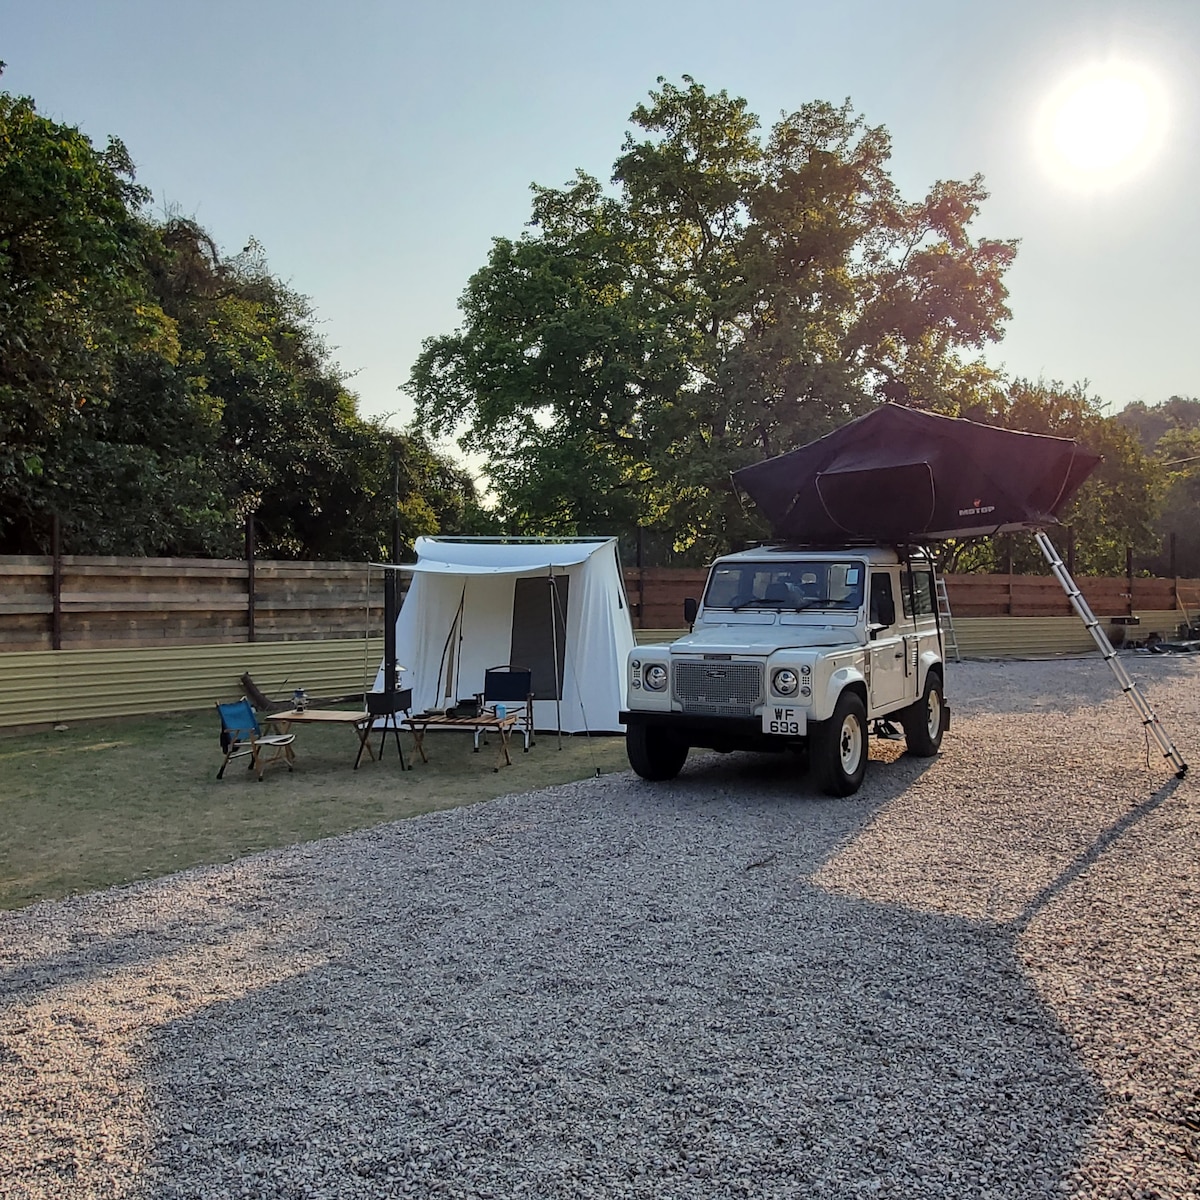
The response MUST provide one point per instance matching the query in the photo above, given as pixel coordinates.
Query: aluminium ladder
(1131, 689)
(946, 619)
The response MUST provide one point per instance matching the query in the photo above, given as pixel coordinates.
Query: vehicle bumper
(718, 733)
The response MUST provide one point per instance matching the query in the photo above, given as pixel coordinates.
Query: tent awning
(438, 557)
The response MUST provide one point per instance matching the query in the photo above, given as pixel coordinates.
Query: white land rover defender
(793, 646)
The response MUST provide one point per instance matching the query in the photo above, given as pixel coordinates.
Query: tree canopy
(734, 294)
(153, 391)
(1170, 432)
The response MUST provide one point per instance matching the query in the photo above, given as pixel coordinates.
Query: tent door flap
(539, 632)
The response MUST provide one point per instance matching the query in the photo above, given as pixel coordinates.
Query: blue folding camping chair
(242, 735)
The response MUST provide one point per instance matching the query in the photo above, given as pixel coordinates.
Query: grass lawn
(110, 803)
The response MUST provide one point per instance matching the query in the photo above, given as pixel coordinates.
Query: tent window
(537, 634)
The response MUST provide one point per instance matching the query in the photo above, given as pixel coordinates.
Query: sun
(1102, 125)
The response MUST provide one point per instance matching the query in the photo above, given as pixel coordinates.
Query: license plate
(786, 721)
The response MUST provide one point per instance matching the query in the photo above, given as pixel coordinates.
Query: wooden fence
(657, 595)
(76, 603)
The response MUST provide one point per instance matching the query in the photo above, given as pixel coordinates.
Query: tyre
(655, 753)
(923, 721)
(838, 747)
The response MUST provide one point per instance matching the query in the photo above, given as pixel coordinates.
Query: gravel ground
(976, 978)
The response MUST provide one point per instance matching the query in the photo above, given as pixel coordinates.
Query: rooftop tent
(900, 475)
(558, 608)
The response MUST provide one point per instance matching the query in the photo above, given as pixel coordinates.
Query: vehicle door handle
(898, 654)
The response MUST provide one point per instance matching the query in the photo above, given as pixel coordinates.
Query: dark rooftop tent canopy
(899, 475)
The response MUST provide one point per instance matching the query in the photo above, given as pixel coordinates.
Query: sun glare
(1102, 126)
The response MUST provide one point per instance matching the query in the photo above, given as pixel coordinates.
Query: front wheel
(838, 747)
(923, 721)
(655, 753)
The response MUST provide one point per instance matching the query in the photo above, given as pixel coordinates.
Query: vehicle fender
(930, 659)
(848, 675)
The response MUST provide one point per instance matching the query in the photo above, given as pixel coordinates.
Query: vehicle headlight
(656, 677)
(785, 682)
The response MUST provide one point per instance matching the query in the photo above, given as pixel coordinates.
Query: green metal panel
(1011, 637)
(44, 686)
(1040, 637)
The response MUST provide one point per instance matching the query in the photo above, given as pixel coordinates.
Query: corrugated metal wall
(44, 686)
(1035, 637)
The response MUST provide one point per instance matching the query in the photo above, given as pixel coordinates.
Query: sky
(375, 149)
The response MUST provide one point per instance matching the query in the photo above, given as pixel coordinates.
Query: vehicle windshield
(794, 585)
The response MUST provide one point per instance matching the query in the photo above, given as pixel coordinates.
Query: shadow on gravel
(1105, 840)
(522, 1002)
(81, 963)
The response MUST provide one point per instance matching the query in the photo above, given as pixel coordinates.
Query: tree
(1179, 414)
(153, 392)
(70, 298)
(736, 296)
(1171, 432)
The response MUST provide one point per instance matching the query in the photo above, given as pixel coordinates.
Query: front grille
(730, 689)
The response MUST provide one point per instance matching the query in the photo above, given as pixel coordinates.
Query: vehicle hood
(760, 640)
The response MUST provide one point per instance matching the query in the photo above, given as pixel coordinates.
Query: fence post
(1008, 566)
(641, 567)
(1175, 576)
(56, 573)
(250, 597)
(395, 512)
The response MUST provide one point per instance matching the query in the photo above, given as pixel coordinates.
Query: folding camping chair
(388, 705)
(513, 687)
(241, 735)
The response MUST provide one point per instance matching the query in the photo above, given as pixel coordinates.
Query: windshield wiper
(781, 605)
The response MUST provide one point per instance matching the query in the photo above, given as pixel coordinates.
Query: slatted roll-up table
(421, 723)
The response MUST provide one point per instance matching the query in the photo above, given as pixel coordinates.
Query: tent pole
(447, 661)
(366, 634)
(554, 646)
(462, 621)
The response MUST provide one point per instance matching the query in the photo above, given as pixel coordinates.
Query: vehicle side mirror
(885, 611)
(691, 606)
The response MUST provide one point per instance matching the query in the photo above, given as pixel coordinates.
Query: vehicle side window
(881, 590)
(918, 585)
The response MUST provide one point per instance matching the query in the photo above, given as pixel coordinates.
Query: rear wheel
(655, 753)
(838, 747)
(923, 721)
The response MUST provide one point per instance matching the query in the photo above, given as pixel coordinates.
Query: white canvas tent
(558, 608)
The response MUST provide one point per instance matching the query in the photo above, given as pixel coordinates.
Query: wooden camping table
(487, 722)
(361, 721)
